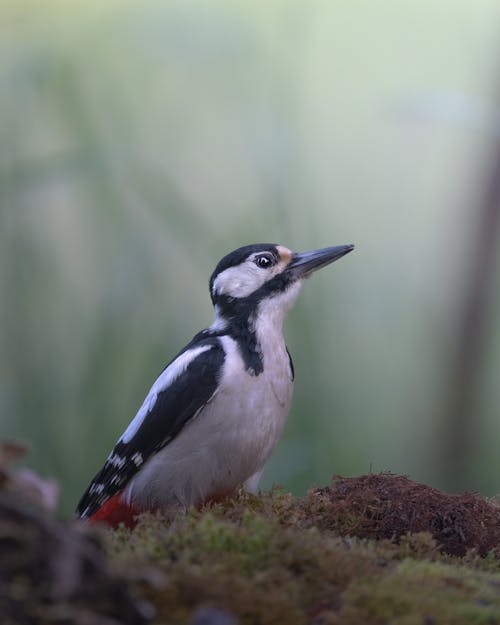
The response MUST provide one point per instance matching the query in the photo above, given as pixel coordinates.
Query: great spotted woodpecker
(213, 416)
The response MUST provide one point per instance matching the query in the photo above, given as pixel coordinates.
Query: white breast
(232, 437)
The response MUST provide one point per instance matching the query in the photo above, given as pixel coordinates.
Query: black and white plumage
(213, 416)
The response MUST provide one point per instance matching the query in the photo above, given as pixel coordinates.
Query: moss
(274, 559)
(421, 592)
(253, 567)
(390, 506)
(373, 550)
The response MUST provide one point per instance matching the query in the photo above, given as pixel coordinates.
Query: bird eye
(264, 261)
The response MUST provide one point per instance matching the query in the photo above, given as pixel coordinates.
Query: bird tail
(116, 511)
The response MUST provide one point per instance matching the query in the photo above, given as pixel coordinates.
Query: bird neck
(235, 318)
(253, 325)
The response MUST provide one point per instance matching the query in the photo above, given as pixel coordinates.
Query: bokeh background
(140, 141)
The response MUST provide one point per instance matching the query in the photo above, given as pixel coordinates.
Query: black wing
(181, 390)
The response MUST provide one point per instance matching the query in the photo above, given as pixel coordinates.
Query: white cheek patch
(240, 281)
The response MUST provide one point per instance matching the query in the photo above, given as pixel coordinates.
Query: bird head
(265, 272)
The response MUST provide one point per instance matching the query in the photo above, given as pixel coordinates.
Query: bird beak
(303, 265)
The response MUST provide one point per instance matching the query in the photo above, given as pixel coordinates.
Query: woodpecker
(215, 413)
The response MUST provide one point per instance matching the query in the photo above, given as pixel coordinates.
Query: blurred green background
(142, 141)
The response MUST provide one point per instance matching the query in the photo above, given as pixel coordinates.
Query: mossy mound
(273, 559)
(348, 554)
(389, 506)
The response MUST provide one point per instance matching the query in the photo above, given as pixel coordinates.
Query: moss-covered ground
(330, 558)
(372, 550)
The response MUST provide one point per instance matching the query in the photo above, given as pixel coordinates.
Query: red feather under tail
(116, 511)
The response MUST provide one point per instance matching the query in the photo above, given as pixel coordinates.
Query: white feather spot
(117, 461)
(137, 459)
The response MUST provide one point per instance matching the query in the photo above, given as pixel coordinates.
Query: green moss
(261, 559)
(422, 592)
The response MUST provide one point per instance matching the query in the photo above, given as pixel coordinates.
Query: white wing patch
(165, 379)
